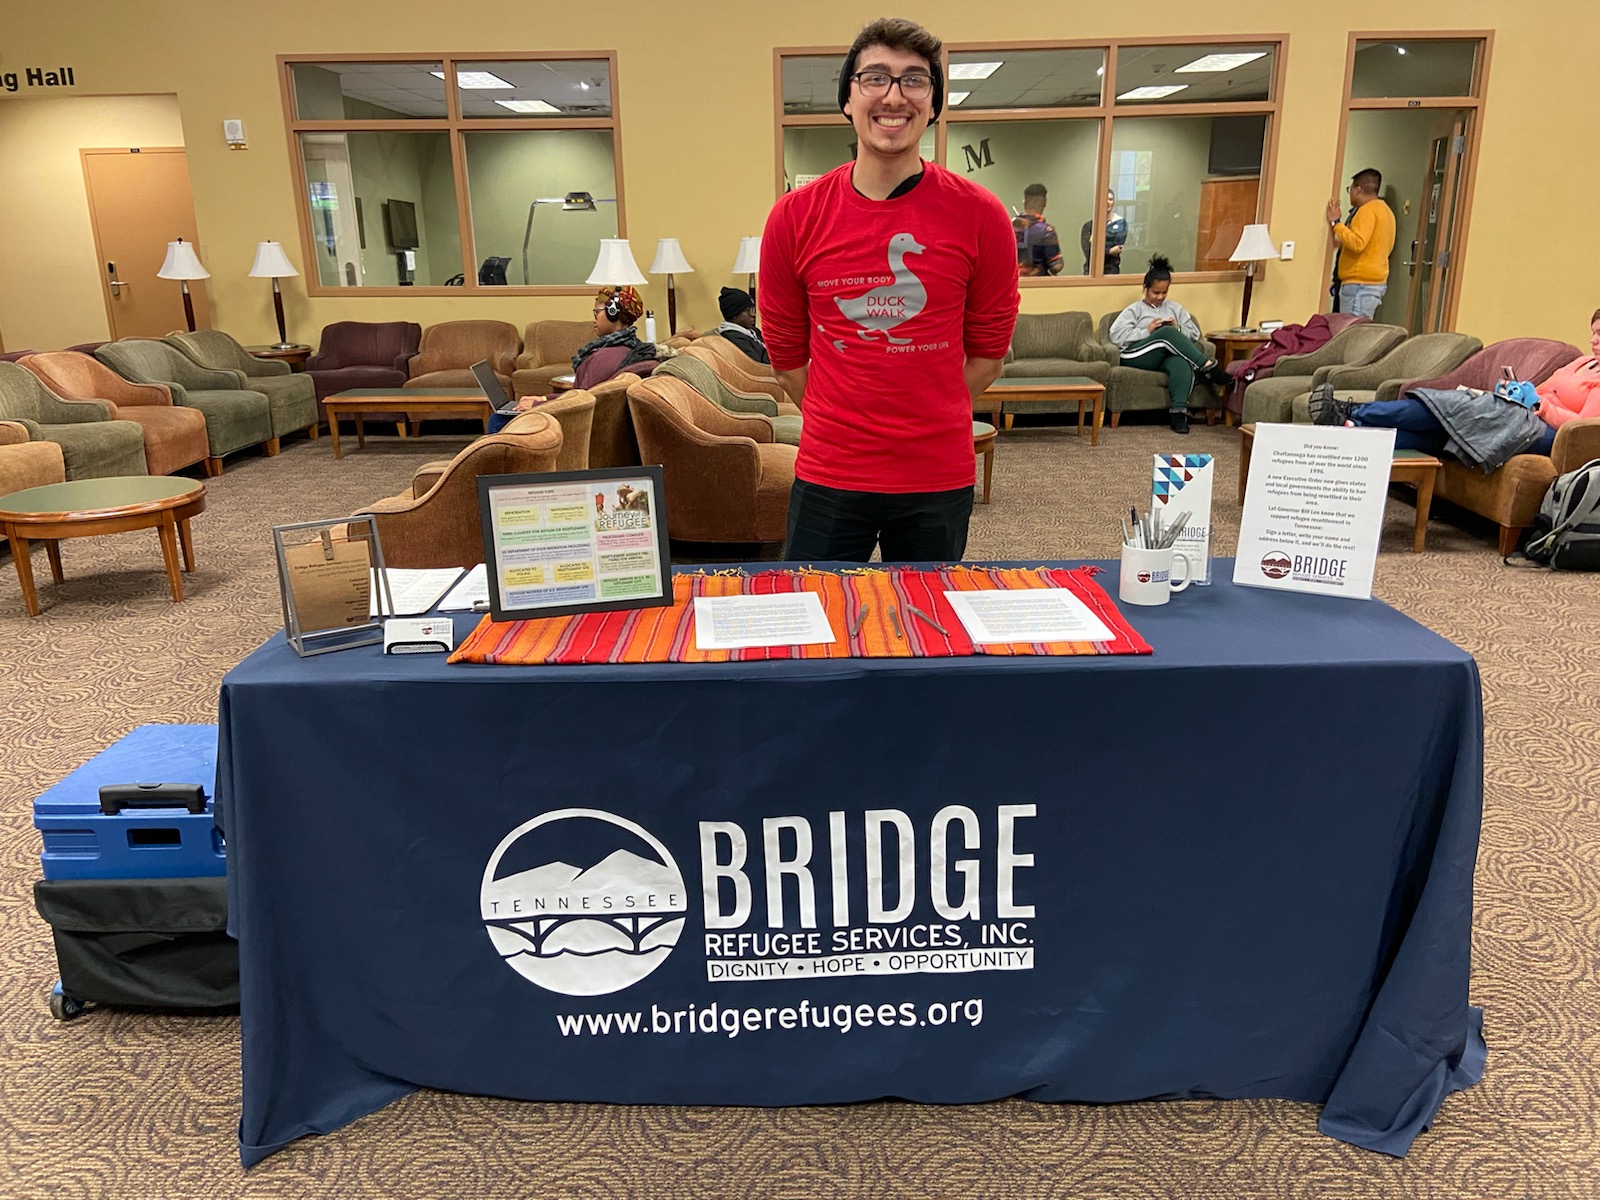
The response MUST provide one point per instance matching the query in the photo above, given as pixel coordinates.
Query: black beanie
(849, 69)
(732, 302)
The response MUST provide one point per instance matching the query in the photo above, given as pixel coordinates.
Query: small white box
(418, 635)
(1181, 484)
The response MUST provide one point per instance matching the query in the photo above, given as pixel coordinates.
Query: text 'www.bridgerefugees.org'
(731, 1021)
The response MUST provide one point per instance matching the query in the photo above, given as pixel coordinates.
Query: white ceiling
(1054, 78)
(408, 89)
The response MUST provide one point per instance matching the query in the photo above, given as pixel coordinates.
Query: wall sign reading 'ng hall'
(48, 77)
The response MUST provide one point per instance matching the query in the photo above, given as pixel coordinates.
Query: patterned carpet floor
(139, 1106)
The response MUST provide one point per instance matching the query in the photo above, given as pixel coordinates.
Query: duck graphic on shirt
(888, 306)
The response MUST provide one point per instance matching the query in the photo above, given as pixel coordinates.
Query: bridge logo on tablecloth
(583, 902)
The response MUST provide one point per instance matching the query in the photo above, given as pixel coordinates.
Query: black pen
(894, 619)
(917, 612)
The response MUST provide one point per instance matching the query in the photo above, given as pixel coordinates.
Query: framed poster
(564, 542)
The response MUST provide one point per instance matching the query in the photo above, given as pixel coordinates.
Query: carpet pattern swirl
(129, 1105)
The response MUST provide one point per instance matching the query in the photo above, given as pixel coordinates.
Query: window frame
(1105, 112)
(455, 126)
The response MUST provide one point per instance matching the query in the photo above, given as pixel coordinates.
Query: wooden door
(1434, 246)
(1226, 207)
(139, 200)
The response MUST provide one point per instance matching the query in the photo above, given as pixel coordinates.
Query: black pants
(830, 524)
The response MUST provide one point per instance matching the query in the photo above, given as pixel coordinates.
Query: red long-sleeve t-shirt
(886, 300)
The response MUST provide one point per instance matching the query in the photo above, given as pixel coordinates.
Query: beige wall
(695, 99)
(50, 293)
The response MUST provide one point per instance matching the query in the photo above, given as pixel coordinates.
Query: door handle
(116, 284)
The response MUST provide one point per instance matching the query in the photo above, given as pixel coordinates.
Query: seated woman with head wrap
(616, 347)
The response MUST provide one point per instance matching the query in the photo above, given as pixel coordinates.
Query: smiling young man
(888, 296)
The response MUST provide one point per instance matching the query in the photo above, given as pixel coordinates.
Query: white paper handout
(471, 592)
(779, 619)
(1027, 615)
(415, 590)
(1313, 509)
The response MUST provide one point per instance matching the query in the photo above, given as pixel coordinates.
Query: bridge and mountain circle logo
(583, 902)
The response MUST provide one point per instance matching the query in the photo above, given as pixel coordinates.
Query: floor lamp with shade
(183, 264)
(272, 263)
(571, 202)
(1255, 245)
(670, 261)
(748, 261)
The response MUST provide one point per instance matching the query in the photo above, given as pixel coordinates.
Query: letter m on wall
(981, 157)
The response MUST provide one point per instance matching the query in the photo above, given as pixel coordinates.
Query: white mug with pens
(1147, 560)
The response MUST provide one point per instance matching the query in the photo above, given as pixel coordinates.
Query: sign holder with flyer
(564, 542)
(1313, 509)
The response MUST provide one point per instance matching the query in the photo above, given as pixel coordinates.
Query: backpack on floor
(1566, 533)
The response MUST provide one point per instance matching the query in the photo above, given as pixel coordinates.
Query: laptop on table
(490, 383)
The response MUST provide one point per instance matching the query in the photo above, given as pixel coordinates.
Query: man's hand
(1333, 212)
(1115, 252)
(980, 373)
(793, 382)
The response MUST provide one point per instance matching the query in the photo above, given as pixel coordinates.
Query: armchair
(361, 354)
(741, 372)
(724, 485)
(1053, 344)
(443, 528)
(549, 347)
(1134, 388)
(573, 411)
(24, 463)
(1510, 497)
(783, 421)
(612, 442)
(235, 417)
(1272, 398)
(174, 437)
(449, 349)
(92, 444)
(1420, 357)
(292, 397)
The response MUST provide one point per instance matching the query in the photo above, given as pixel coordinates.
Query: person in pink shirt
(888, 297)
(1574, 390)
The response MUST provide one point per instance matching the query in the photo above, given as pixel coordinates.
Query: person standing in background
(1038, 244)
(1366, 239)
(1116, 238)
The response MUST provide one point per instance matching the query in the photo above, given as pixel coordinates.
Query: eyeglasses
(913, 86)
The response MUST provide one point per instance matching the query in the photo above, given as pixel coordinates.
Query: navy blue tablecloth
(1241, 866)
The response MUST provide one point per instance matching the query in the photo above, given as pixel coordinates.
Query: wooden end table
(983, 443)
(1408, 466)
(86, 507)
(414, 403)
(1232, 345)
(1058, 389)
(295, 356)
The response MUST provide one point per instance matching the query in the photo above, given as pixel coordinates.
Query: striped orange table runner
(666, 634)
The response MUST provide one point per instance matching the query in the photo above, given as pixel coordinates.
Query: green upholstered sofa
(236, 417)
(92, 444)
(1270, 399)
(1134, 388)
(293, 397)
(1420, 357)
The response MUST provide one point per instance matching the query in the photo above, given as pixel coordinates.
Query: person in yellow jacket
(1366, 239)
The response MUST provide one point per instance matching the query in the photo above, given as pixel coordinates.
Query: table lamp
(183, 264)
(1255, 245)
(670, 259)
(748, 261)
(272, 263)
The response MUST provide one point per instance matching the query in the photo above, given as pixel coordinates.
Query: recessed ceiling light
(1400, 49)
(476, 79)
(957, 97)
(1099, 70)
(974, 70)
(1221, 62)
(1153, 93)
(528, 106)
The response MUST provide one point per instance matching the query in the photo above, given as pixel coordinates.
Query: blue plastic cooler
(81, 842)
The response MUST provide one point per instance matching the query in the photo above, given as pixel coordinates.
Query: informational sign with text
(1313, 509)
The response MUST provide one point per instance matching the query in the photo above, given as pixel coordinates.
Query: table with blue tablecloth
(1240, 866)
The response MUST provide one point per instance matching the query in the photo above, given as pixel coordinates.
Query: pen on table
(1177, 528)
(1127, 538)
(917, 612)
(1133, 515)
(861, 616)
(894, 619)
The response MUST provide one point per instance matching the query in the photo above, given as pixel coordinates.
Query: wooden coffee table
(415, 403)
(86, 507)
(1086, 392)
(1408, 466)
